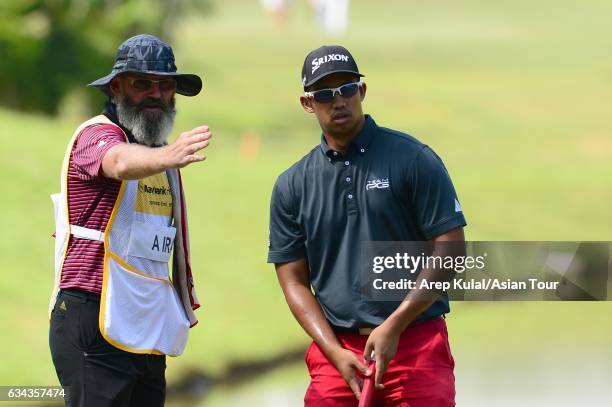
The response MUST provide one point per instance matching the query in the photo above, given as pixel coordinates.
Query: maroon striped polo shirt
(91, 198)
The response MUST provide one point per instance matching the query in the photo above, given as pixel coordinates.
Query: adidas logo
(457, 206)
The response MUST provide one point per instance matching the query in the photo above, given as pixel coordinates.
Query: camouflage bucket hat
(147, 54)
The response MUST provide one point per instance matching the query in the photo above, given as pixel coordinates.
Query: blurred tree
(50, 47)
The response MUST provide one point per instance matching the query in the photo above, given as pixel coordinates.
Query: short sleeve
(90, 147)
(437, 208)
(287, 242)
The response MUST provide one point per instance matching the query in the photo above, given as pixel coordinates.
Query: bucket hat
(147, 54)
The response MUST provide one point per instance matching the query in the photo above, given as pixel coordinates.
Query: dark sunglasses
(347, 90)
(145, 84)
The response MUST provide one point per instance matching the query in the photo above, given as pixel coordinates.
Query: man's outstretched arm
(294, 280)
(134, 161)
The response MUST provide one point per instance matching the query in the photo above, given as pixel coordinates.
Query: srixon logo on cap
(317, 62)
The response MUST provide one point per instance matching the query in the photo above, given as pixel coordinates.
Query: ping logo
(377, 184)
(317, 62)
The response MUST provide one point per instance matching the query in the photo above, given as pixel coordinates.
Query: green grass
(515, 99)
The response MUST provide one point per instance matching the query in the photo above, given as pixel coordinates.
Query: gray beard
(148, 128)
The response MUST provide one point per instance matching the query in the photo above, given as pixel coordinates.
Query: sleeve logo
(457, 206)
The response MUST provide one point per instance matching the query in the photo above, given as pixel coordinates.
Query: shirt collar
(361, 142)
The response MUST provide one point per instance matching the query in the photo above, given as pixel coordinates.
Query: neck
(341, 141)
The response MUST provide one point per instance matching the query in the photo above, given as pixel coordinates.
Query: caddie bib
(140, 308)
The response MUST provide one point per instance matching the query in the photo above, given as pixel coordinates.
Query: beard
(150, 128)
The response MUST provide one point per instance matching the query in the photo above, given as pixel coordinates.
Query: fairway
(515, 97)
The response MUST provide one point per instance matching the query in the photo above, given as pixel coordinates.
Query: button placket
(349, 195)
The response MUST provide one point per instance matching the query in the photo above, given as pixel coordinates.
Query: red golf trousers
(420, 374)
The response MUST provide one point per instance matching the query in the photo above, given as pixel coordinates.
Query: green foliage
(48, 48)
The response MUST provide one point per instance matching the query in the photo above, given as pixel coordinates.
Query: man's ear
(362, 91)
(115, 86)
(306, 104)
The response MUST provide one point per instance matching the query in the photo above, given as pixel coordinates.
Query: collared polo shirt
(387, 187)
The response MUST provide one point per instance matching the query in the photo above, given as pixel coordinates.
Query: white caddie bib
(140, 308)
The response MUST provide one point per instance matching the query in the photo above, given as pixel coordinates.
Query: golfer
(362, 183)
(116, 309)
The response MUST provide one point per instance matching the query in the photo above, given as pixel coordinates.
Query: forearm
(308, 313)
(294, 279)
(133, 161)
(410, 308)
(418, 300)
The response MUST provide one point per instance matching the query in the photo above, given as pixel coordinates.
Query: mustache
(155, 102)
(340, 113)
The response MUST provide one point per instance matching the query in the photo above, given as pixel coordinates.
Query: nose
(154, 91)
(338, 100)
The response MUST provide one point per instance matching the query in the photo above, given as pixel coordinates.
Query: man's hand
(183, 151)
(134, 161)
(383, 342)
(294, 279)
(347, 364)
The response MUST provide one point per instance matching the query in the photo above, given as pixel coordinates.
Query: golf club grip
(367, 392)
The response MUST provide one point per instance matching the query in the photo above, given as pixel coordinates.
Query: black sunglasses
(145, 84)
(347, 90)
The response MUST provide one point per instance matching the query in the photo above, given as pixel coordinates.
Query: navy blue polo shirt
(387, 187)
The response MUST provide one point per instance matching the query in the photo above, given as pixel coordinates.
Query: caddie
(362, 183)
(117, 309)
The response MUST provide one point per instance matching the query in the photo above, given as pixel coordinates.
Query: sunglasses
(145, 84)
(347, 90)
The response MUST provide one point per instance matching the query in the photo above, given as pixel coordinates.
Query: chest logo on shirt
(378, 184)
